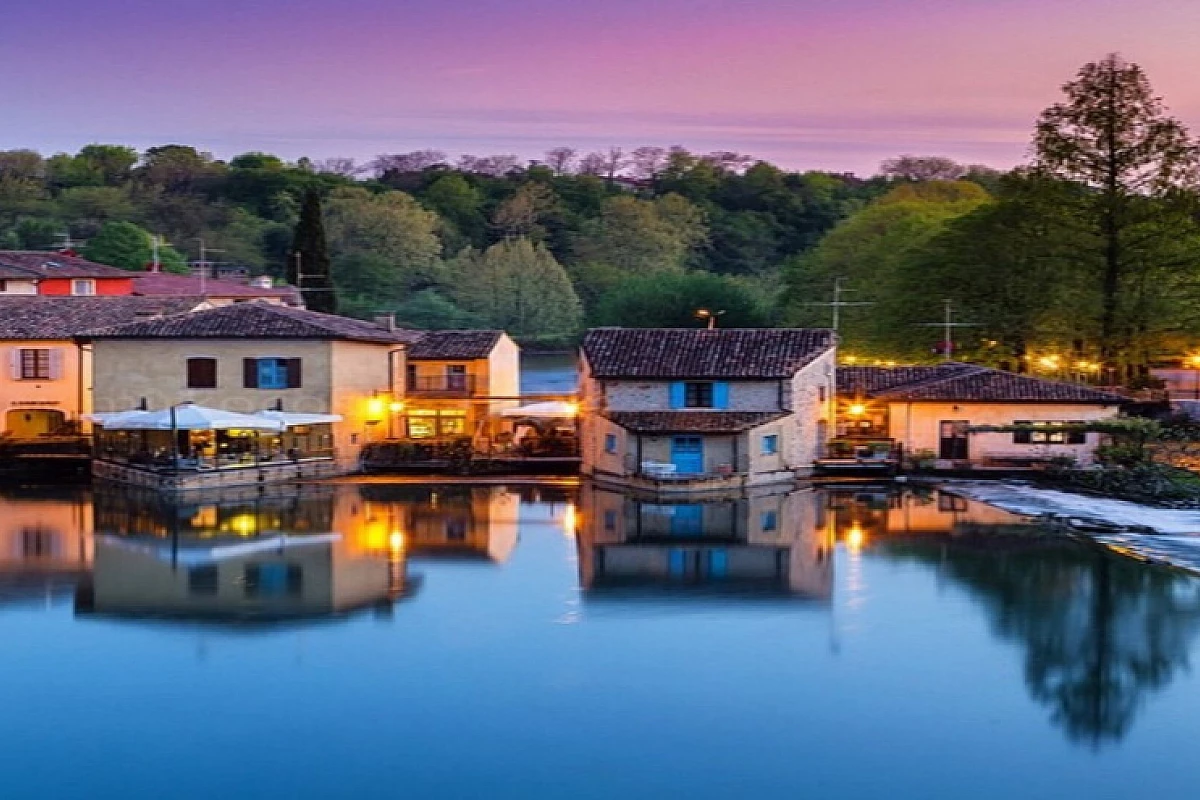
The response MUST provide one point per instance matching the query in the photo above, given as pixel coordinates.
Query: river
(423, 640)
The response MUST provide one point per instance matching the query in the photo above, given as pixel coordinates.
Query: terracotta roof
(37, 264)
(256, 320)
(747, 353)
(964, 382)
(165, 284)
(692, 421)
(444, 345)
(36, 317)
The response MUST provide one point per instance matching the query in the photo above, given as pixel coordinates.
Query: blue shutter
(677, 394)
(721, 394)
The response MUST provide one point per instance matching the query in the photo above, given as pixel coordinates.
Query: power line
(948, 325)
(837, 304)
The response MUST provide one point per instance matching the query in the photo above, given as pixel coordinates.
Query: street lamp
(1193, 361)
(710, 315)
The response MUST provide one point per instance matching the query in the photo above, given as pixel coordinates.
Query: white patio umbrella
(191, 417)
(109, 419)
(549, 410)
(289, 418)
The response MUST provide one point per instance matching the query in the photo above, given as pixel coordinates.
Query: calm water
(437, 641)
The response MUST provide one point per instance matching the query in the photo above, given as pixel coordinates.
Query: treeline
(539, 248)
(1084, 263)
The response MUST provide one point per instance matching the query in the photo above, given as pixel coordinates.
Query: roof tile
(666, 353)
(48, 318)
(692, 421)
(453, 345)
(964, 382)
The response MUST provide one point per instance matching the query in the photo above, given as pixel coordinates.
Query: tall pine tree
(308, 262)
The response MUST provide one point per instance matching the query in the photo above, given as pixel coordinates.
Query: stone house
(686, 410)
(44, 377)
(456, 382)
(255, 357)
(936, 411)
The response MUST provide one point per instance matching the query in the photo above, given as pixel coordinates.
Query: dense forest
(1082, 261)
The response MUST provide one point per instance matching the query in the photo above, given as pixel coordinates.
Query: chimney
(386, 321)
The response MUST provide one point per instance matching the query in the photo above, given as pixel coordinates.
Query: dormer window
(83, 287)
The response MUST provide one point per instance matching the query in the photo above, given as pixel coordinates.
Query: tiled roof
(36, 317)
(36, 264)
(165, 284)
(666, 353)
(692, 421)
(964, 383)
(450, 345)
(256, 320)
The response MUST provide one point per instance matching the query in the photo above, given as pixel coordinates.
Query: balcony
(441, 386)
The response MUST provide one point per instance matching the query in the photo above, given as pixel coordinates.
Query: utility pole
(204, 251)
(948, 325)
(837, 304)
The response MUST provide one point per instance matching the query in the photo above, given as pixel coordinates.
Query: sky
(809, 84)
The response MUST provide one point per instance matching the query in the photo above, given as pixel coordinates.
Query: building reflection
(45, 543)
(459, 522)
(774, 542)
(307, 553)
(1101, 632)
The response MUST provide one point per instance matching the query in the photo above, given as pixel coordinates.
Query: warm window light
(857, 410)
(1048, 362)
(396, 407)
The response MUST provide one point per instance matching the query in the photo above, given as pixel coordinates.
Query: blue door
(687, 454)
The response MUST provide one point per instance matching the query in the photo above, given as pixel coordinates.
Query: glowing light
(1194, 361)
(570, 521)
(397, 541)
(374, 408)
(396, 407)
(857, 410)
(244, 524)
(850, 359)
(572, 408)
(1048, 362)
(856, 537)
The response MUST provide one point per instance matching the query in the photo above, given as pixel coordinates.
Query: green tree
(1139, 165)
(873, 253)
(671, 301)
(309, 266)
(518, 286)
(125, 245)
(388, 231)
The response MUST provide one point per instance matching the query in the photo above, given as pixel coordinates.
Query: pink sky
(810, 84)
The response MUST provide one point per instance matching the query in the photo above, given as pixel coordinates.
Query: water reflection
(765, 542)
(1101, 633)
(45, 543)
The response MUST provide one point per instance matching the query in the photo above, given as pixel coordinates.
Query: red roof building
(33, 272)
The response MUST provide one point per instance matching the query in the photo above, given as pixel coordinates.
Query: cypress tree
(308, 262)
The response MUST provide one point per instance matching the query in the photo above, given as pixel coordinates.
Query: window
(33, 364)
(410, 376)
(821, 394)
(1034, 436)
(770, 444)
(456, 378)
(610, 520)
(201, 373)
(83, 287)
(273, 580)
(610, 443)
(204, 580)
(769, 521)
(697, 395)
(271, 373)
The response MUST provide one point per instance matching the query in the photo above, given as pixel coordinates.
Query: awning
(289, 419)
(190, 417)
(552, 409)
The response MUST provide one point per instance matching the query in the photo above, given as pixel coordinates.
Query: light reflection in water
(1099, 635)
